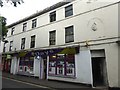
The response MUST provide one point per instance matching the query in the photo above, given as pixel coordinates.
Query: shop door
(45, 68)
(99, 71)
(7, 65)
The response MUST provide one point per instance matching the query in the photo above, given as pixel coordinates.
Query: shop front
(42, 63)
(57, 62)
(6, 62)
(26, 63)
(62, 65)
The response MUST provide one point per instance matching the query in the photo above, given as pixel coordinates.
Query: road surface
(11, 83)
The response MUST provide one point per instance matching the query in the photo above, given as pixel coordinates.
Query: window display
(62, 65)
(26, 65)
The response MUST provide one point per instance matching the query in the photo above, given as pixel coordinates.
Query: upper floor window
(23, 43)
(12, 30)
(52, 37)
(69, 34)
(34, 23)
(32, 44)
(11, 46)
(24, 27)
(53, 16)
(69, 10)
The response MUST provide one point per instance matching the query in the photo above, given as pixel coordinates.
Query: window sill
(62, 76)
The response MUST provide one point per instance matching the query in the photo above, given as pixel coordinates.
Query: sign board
(9, 57)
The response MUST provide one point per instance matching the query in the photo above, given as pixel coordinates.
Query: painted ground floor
(97, 65)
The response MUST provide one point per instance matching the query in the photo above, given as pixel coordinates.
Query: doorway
(99, 71)
(45, 67)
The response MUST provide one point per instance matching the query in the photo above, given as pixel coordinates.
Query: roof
(59, 4)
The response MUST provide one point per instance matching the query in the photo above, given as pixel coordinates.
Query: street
(11, 83)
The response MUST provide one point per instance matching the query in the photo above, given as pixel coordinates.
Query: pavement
(49, 83)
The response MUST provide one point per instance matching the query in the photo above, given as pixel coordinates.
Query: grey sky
(29, 7)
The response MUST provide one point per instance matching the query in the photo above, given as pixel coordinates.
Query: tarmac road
(11, 83)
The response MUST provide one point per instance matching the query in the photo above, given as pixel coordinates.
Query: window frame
(12, 30)
(24, 27)
(52, 38)
(69, 34)
(32, 43)
(34, 23)
(11, 46)
(69, 10)
(23, 43)
(52, 16)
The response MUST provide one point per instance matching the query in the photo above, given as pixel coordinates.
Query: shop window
(70, 65)
(62, 65)
(26, 64)
(69, 34)
(69, 10)
(52, 65)
(53, 16)
(20, 68)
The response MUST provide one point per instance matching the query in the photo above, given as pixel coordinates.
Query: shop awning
(48, 52)
(69, 50)
(66, 50)
(22, 54)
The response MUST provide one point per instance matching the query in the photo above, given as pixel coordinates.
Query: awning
(48, 52)
(66, 50)
(22, 54)
(69, 50)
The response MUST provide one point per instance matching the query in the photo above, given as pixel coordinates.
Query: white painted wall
(36, 67)
(14, 65)
(112, 64)
(83, 67)
(107, 27)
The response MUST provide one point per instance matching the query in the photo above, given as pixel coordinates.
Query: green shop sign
(9, 56)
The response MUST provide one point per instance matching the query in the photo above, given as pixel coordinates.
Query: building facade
(75, 41)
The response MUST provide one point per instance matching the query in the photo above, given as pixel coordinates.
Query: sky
(25, 9)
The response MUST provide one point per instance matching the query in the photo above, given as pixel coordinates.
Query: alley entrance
(99, 71)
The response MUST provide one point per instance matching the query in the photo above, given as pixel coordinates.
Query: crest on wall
(95, 24)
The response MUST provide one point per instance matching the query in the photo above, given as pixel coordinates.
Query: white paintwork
(14, 65)
(83, 69)
(36, 67)
(82, 28)
(107, 27)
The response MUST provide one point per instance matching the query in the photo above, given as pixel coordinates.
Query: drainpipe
(0, 40)
(0, 52)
